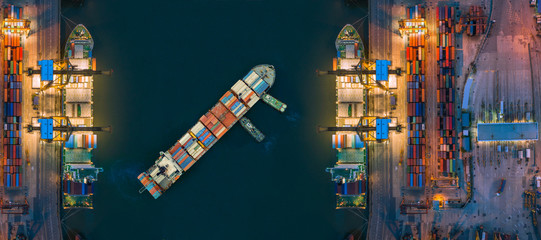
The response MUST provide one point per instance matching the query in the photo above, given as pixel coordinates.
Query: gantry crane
(371, 73)
(414, 207)
(14, 208)
(11, 25)
(412, 26)
(63, 69)
(369, 128)
(60, 129)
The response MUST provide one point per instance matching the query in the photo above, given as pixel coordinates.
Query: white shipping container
(36, 81)
(520, 154)
(256, 83)
(251, 78)
(350, 141)
(78, 95)
(237, 88)
(184, 139)
(528, 154)
(197, 128)
(196, 152)
(244, 92)
(192, 149)
(220, 132)
(253, 99)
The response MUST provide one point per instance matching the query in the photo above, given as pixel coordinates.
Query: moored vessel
(249, 126)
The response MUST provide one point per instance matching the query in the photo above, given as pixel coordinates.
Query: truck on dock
(502, 187)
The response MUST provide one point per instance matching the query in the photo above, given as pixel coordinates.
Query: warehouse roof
(507, 131)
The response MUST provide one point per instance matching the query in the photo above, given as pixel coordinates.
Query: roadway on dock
(42, 171)
(384, 173)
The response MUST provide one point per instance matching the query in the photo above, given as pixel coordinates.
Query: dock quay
(362, 87)
(37, 190)
(47, 118)
(442, 167)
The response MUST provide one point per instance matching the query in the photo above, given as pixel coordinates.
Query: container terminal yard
(48, 129)
(435, 133)
(451, 90)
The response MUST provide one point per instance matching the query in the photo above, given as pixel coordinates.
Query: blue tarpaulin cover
(46, 128)
(46, 70)
(382, 70)
(382, 129)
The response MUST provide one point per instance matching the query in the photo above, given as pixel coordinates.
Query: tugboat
(247, 124)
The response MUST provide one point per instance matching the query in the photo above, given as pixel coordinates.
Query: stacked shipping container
(445, 56)
(415, 77)
(216, 122)
(350, 188)
(346, 141)
(12, 89)
(475, 22)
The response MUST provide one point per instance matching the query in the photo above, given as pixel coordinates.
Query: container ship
(79, 173)
(349, 172)
(231, 107)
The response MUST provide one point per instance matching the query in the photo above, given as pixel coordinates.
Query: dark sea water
(172, 60)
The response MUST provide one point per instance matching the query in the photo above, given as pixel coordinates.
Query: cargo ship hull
(79, 173)
(349, 172)
(232, 106)
(349, 43)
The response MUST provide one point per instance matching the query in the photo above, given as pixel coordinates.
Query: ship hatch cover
(78, 51)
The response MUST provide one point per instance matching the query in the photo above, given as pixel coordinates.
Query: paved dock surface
(505, 72)
(42, 160)
(384, 175)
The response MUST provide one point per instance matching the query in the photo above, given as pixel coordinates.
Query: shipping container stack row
(446, 91)
(350, 188)
(12, 90)
(475, 22)
(415, 78)
(340, 141)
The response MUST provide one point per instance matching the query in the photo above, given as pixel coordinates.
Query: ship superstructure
(79, 173)
(349, 172)
(207, 131)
